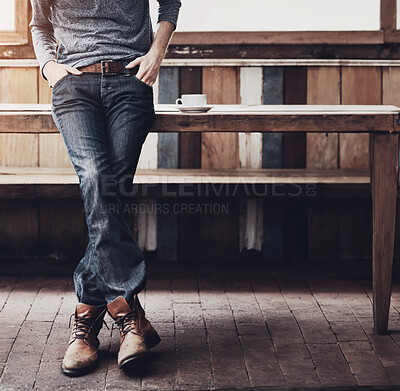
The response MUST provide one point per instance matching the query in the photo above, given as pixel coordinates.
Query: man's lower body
(104, 120)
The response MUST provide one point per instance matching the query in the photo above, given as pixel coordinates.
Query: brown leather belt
(108, 67)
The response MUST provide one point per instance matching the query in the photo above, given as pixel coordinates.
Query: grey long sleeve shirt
(89, 31)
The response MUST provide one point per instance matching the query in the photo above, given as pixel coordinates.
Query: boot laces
(83, 325)
(127, 323)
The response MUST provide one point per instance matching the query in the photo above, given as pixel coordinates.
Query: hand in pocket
(55, 72)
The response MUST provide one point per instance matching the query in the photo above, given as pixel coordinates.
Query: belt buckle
(104, 68)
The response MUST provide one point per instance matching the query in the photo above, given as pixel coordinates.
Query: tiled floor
(221, 328)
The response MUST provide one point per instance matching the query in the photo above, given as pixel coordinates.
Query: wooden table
(382, 122)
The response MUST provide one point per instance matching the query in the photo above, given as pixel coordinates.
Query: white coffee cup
(192, 100)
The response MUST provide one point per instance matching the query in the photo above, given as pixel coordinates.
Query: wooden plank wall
(189, 225)
(36, 228)
(219, 235)
(144, 225)
(282, 229)
(168, 157)
(323, 87)
(359, 86)
(294, 156)
(272, 157)
(250, 156)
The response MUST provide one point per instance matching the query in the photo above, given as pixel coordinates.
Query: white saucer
(193, 109)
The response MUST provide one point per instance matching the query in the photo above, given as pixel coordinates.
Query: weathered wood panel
(18, 149)
(187, 177)
(272, 157)
(51, 149)
(42, 87)
(168, 148)
(250, 156)
(250, 144)
(189, 224)
(18, 85)
(390, 86)
(220, 232)
(295, 92)
(221, 85)
(360, 86)
(44, 91)
(61, 224)
(190, 143)
(58, 219)
(143, 224)
(323, 87)
(299, 119)
(168, 92)
(149, 154)
(294, 156)
(234, 38)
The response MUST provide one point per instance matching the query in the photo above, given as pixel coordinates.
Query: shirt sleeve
(44, 41)
(169, 10)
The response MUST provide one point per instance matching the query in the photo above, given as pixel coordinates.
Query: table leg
(384, 176)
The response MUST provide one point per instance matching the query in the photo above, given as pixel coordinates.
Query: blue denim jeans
(104, 120)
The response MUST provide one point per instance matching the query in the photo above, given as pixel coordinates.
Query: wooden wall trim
(11, 38)
(387, 51)
(276, 37)
(306, 51)
(388, 15)
(275, 62)
(393, 36)
(389, 21)
(223, 62)
(20, 63)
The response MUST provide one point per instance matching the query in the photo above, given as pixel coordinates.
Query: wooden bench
(382, 122)
(46, 182)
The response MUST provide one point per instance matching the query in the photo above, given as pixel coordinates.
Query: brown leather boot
(81, 355)
(137, 335)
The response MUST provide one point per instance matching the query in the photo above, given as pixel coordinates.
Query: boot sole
(79, 372)
(152, 340)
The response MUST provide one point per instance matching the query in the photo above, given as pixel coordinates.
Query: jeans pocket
(141, 82)
(59, 81)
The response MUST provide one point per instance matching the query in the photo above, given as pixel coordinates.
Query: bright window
(7, 18)
(277, 15)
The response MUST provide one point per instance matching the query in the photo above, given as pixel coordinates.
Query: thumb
(135, 62)
(73, 70)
